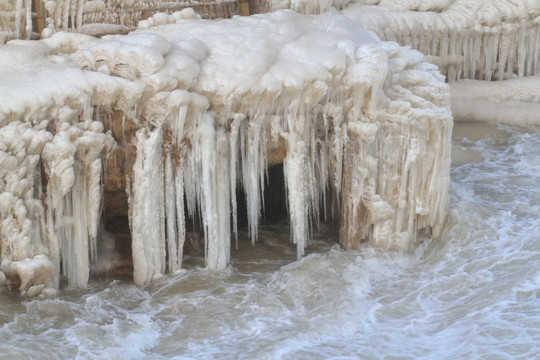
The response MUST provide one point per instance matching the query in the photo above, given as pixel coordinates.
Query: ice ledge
(512, 101)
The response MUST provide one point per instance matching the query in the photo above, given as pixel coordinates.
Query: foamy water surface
(474, 293)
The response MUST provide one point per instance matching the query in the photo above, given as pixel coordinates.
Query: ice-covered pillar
(396, 155)
(146, 210)
(294, 168)
(359, 169)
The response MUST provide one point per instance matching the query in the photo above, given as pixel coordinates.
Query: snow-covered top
(34, 80)
(434, 15)
(259, 60)
(272, 53)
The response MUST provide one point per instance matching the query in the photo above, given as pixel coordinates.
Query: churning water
(474, 293)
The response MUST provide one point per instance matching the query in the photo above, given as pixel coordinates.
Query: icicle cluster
(307, 6)
(366, 126)
(487, 39)
(51, 166)
(15, 20)
(98, 17)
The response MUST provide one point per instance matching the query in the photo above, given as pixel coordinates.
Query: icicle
(18, 17)
(28, 19)
(64, 20)
(220, 253)
(521, 52)
(72, 15)
(253, 166)
(213, 194)
(74, 236)
(296, 172)
(358, 168)
(170, 213)
(180, 216)
(233, 155)
(78, 21)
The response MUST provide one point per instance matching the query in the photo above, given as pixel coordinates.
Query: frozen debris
(364, 122)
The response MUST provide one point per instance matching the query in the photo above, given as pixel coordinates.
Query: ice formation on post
(365, 124)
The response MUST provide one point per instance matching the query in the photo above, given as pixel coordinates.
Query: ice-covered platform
(181, 115)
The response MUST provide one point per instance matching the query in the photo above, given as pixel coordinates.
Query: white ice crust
(364, 120)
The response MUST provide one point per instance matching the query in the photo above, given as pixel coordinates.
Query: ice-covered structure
(489, 39)
(480, 39)
(25, 19)
(184, 113)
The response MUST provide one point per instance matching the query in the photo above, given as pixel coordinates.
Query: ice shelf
(365, 125)
(512, 101)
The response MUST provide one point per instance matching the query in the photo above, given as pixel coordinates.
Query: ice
(485, 40)
(51, 153)
(20, 19)
(147, 211)
(308, 6)
(365, 126)
(15, 20)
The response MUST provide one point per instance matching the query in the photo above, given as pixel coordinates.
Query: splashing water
(474, 293)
